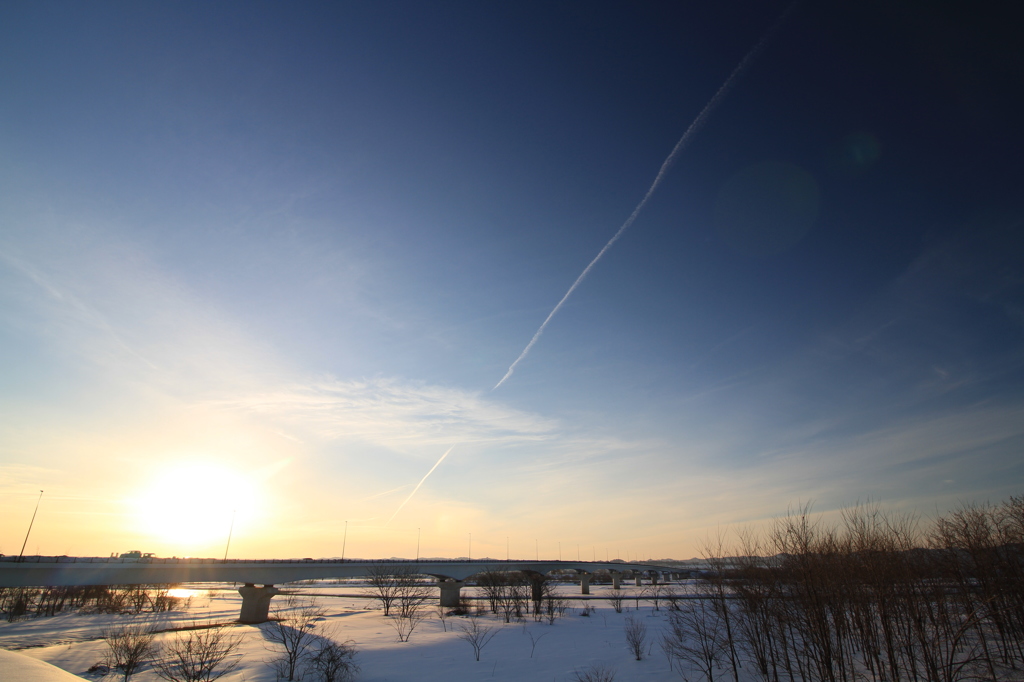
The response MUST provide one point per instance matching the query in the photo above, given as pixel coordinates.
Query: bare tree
(129, 646)
(292, 630)
(616, 601)
(695, 636)
(442, 615)
(714, 554)
(507, 593)
(406, 618)
(388, 583)
(411, 596)
(636, 636)
(198, 655)
(655, 593)
(478, 636)
(492, 582)
(333, 661)
(599, 672)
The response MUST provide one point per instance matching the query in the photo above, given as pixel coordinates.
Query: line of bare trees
(873, 597)
(22, 602)
(508, 593)
(402, 595)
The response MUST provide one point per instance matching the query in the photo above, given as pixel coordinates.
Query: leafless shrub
(198, 655)
(655, 593)
(293, 631)
(636, 636)
(616, 601)
(333, 661)
(442, 615)
(406, 618)
(477, 635)
(554, 608)
(160, 600)
(129, 645)
(599, 672)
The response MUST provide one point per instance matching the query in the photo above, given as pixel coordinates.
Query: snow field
(434, 653)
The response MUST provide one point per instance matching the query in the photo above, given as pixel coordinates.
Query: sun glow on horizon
(193, 505)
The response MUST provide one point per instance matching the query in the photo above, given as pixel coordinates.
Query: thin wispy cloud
(397, 415)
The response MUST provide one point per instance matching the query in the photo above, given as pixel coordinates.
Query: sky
(263, 264)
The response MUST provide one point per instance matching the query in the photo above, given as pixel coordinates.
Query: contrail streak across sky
(662, 172)
(673, 155)
(419, 484)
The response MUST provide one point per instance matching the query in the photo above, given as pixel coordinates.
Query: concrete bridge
(39, 571)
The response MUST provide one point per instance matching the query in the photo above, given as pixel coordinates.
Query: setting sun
(192, 505)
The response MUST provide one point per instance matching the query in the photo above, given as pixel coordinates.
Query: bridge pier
(584, 583)
(654, 578)
(639, 580)
(616, 577)
(450, 592)
(256, 602)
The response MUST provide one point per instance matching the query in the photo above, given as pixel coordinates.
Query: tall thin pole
(470, 546)
(506, 548)
(418, 544)
(559, 550)
(30, 525)
(577, 551)
(343, 541)
(231, 530)
(536, 546)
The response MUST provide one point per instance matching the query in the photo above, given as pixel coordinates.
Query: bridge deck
(67, 571)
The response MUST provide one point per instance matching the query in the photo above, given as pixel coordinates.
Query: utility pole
(470, 546)
(22, 553)
(536, 546)
(418, 544)
(506, 548)
(231, 529)
(343, 541)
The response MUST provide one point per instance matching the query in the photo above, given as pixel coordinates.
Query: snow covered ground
(434, 653)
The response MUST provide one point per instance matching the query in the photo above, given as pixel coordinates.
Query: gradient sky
(267, 260)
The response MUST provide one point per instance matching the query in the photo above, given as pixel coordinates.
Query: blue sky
(270, 260)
